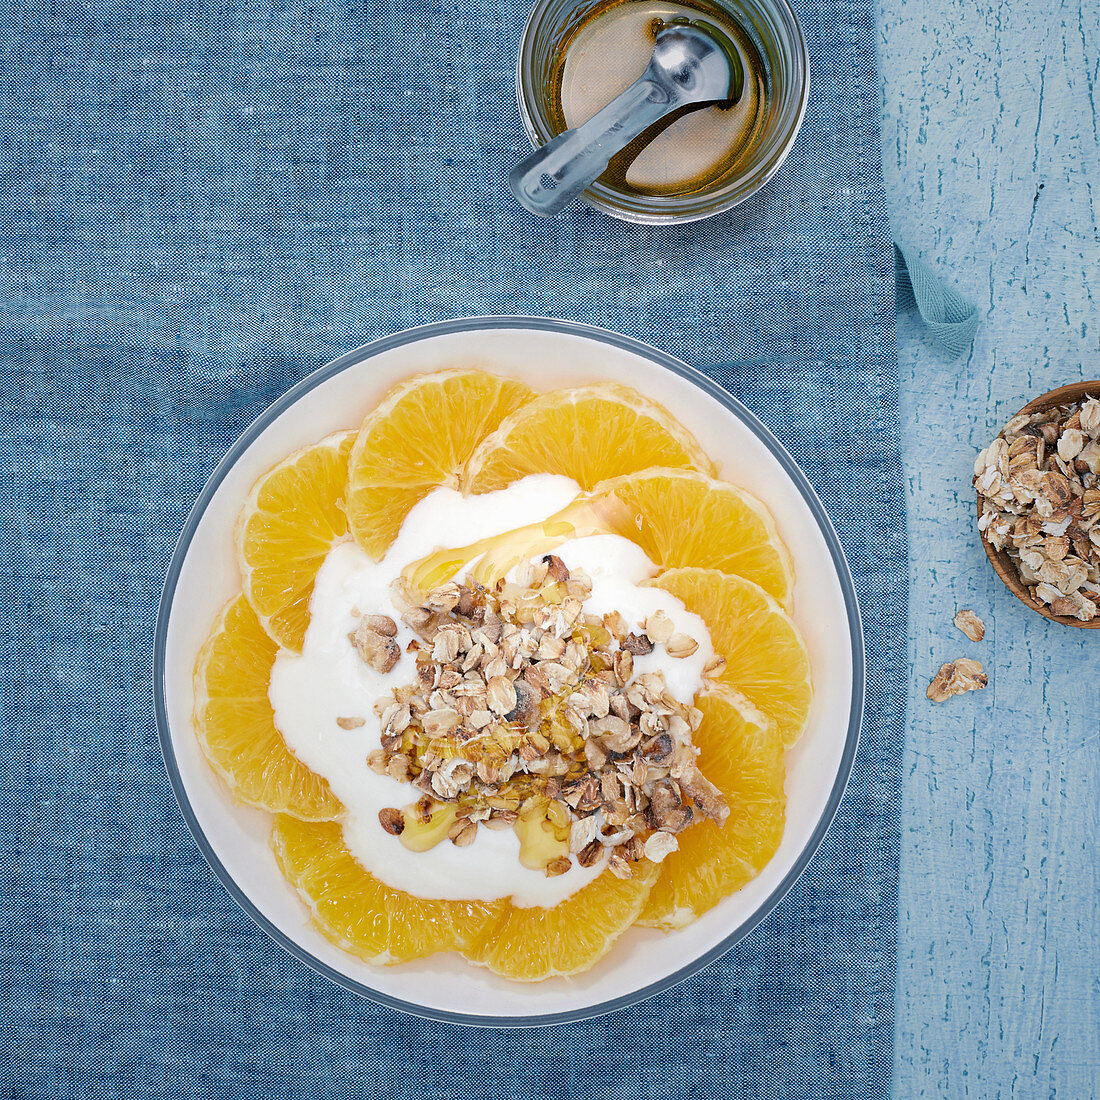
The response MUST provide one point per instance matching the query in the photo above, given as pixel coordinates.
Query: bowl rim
(625, 343)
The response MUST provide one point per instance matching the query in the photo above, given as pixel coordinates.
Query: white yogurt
(327, 681)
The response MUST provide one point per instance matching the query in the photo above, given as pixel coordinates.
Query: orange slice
(589, 434)
(361, 914)
(530, 945)
(291, 520)
(420, 437)
(765, 657)
(742, 754)
(679, 517)
(235, 724)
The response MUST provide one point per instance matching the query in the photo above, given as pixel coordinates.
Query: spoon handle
(551, 177)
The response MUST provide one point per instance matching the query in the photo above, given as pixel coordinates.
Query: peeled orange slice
(765, 656)
(680, 517)
(235, 724)
(420, 437)
(589, 434)
(291, 520)
(530, 945)
(742, 754)
(361, 914)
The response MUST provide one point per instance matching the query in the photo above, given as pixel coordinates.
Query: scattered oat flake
(970, 625)
(957, 677)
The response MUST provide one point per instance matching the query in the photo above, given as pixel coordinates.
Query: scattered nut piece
(957, 677)
(350, 723)
(393, 821)
(970, 625)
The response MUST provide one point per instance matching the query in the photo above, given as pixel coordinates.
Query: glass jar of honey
(575, 57)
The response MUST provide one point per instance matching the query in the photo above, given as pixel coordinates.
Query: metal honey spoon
(692, 63)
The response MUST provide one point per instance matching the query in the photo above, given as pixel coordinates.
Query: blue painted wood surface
(992, 159)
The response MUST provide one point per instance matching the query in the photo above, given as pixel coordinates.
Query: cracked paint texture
(992, 161)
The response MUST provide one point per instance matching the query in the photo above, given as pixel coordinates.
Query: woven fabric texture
(202, 202)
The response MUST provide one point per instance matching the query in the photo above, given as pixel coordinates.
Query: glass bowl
(772, 27)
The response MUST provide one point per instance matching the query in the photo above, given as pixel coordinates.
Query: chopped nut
(637, 644)
(706, 796)
(393, 821)
(970, 625)
(469, 602)
(380, 624)
(558, 866)
(555, 568)
(616, 735)
(957, 677)
(624, 666)
(376, 650)
(350, 723)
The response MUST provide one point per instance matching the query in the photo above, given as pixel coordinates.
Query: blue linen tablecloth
(202, 202)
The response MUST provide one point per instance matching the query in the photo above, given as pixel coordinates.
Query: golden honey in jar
(692, 148)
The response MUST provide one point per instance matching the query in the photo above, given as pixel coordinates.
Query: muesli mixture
(1039, 485)
(529, 714)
